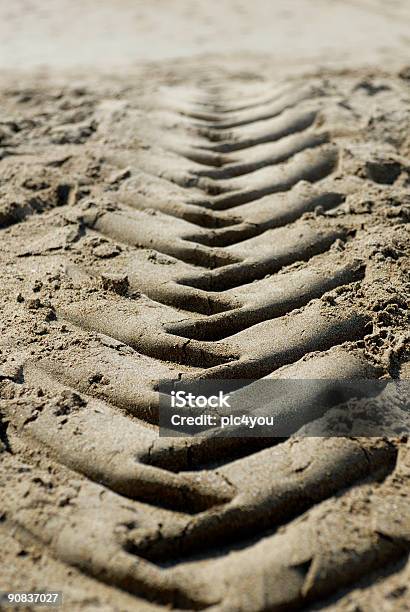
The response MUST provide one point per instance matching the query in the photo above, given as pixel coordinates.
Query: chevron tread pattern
(235, 258)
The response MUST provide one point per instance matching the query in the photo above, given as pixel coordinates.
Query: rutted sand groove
(213, 239)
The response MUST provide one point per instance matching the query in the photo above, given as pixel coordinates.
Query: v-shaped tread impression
(227, 232)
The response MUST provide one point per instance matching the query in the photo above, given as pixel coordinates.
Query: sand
(173, 206)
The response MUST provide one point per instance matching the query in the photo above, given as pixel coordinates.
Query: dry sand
(106, 34)
(194, 189)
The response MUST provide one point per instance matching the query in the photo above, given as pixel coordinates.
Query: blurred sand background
(107, 35)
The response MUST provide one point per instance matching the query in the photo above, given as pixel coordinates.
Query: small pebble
(104, 251)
